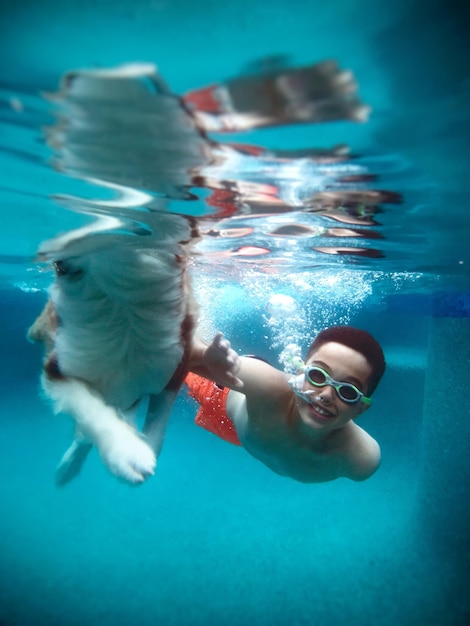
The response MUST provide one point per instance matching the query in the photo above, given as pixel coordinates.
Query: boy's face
(325, 409)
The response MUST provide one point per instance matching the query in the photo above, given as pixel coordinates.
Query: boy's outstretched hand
(222, 362)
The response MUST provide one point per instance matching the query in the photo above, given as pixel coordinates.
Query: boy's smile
(322, 405)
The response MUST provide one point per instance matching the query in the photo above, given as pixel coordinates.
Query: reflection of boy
(302, 427)
(315, 93)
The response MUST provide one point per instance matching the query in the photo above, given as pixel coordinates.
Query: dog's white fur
(117, 329)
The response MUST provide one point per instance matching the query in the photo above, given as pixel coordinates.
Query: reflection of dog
(117, 328)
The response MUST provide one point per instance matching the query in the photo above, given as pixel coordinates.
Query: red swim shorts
(212, 414)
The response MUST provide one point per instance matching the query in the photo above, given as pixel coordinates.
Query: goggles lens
(347, 392)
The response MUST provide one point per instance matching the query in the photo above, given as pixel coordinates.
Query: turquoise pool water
(214, 537)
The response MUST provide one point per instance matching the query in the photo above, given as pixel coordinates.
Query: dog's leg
(71, 463)
(122, 450)
(161, 404)
(156, 420)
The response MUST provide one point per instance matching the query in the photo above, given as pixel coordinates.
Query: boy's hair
(359, 340)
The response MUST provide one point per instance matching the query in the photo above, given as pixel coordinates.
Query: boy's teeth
(318, 409)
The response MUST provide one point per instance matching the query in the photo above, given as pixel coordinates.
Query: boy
(302, 427)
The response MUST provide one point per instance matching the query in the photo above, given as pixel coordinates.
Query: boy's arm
(216, 361)
(252, 377)
(365, 457)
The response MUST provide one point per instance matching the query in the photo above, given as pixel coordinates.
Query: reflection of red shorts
(206, 99)
(212, 414)
(225, 200)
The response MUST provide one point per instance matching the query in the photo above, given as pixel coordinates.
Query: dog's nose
(60, 268)
(63, 268)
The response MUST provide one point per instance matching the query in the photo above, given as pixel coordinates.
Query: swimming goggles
(346, 392)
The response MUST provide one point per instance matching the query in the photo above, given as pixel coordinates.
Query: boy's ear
(362, 409)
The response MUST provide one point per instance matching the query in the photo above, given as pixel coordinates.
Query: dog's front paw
(126, 455)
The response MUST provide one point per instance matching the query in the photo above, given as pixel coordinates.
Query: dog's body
(117, 329)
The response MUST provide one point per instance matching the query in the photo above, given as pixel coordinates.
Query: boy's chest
(277, 449)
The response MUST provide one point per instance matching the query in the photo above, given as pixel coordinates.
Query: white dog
(117, 328)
